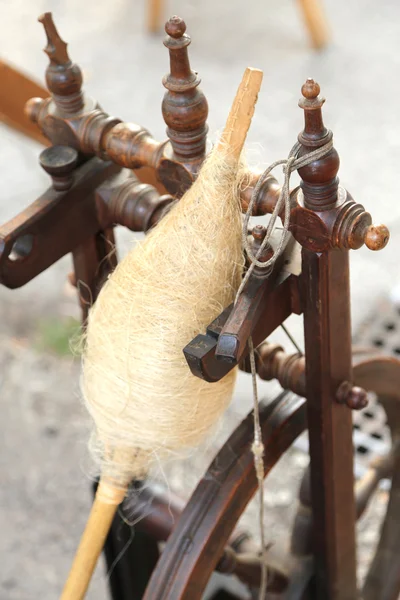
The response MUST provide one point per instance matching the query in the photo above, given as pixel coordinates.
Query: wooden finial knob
(314, 134)
(311, 99)
(184, 106)
(63, 77)
(175, 27)
(376, 237)
(310, 89)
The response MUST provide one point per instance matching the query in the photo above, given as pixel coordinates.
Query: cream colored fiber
(145, 402)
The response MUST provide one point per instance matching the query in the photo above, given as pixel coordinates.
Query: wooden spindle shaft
(131, 203)
(272, 362)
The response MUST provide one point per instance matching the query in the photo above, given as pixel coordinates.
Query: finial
(315, 134)
(63, 77)
(319, 181)
(310, 90)
(349, 225)
(181, 77)
(184, 106)
(56, 48)
(176, 27)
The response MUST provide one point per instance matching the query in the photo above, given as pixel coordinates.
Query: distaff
(145, 403)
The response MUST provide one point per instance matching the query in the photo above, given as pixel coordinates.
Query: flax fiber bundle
(145, 403)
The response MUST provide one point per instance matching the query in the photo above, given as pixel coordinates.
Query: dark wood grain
(325, 293)
(328, 351)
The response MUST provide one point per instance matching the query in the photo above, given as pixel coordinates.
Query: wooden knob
(32, 108)
(259, 232)
(59, 162)
(311, 99)
(310, 89)
(376, 237)
(353, 396)
(175, 27)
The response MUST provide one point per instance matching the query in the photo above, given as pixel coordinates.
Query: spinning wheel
(220, 498)
(201, 540)
(93, 189)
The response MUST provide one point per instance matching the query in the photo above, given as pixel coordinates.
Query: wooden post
(328, 364)
(327, 331)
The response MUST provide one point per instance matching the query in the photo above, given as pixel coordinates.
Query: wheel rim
(382, 375)
(202, 532)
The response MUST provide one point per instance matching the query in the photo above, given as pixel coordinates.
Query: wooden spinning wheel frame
(90, 161)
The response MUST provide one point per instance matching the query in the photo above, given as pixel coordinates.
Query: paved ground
(44, 494)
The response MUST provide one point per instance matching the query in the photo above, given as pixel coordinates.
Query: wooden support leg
(15, 90)
(328, 349)
(131, 557)
(316, 22)
(154, 15)
(93, 262)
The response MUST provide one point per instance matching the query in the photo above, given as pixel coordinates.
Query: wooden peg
(376, 237)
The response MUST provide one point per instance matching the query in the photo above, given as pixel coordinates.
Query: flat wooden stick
(238, 123)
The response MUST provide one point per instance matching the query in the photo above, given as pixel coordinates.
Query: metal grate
(371, 433)
(381, 330)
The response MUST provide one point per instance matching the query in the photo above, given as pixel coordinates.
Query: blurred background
(45, 491)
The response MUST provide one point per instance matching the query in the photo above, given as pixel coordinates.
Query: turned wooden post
(327, 332)
(184, 109)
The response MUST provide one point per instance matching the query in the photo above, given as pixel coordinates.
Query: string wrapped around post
(292, 163)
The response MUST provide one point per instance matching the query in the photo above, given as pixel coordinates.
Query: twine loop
(290, 164)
